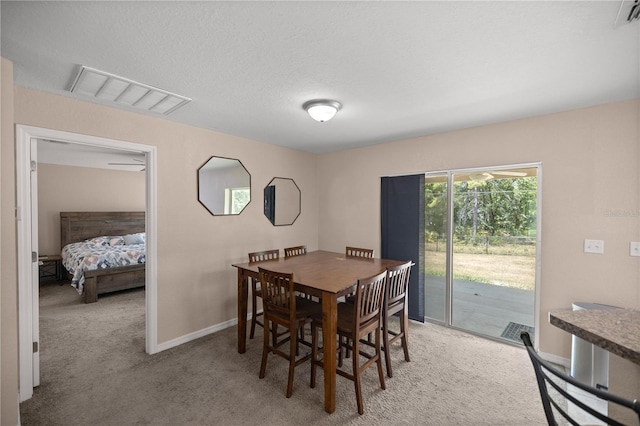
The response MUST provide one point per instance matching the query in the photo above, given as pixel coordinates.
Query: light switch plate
(594, 246)
(634, 248)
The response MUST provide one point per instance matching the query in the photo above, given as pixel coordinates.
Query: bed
(78, 227)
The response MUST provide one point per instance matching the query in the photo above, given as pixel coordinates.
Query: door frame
(28, 309)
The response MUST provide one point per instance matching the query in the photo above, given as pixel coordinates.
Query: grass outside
(509, 270)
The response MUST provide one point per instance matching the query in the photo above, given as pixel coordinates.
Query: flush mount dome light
(322, 109)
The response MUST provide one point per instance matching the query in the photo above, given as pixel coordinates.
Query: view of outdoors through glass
(493, 253)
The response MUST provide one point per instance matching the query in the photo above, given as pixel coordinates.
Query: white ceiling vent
(110, 87)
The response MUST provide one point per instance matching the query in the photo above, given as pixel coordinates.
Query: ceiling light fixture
(322, 109)
(110, 87)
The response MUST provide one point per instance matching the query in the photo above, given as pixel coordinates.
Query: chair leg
(293, 350)
(265, 349)
(314, 354)
(356, 375)
(254, 308)
(385, 344)
(379, 360)
(274, 333)
(405, 336)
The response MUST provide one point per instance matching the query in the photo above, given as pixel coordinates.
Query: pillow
(99, 241)
(134, 239)
(116, 241)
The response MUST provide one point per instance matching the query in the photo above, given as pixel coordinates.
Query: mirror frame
(199, 185)
(265, 203)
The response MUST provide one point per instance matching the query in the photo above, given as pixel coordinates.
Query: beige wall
(196, 282)
(591, 187)
(79, 189)
(8, 259)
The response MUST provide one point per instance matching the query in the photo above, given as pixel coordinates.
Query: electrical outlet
(594, 246)
(634, 248)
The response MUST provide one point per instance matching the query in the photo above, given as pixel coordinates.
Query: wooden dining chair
(358, 252)
(355, 322)
(295, 251)
(299, 251)
(396, 304)
(283, 308)
(256, 291)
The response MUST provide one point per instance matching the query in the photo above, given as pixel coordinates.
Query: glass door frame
(448, 308)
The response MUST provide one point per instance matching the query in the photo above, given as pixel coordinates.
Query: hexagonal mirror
(282, 201)
(224, 186)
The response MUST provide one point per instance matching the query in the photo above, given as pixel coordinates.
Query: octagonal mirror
(224, 186)
(282, 201)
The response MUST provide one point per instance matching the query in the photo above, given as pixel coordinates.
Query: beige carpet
(95, 372)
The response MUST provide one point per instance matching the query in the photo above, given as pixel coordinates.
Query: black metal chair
(554, 402)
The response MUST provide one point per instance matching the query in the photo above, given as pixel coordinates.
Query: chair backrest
(547, 375)
(359, 252)
(397, 284)
(368, 302)
(278, 296)
(261, 256)
(295, 251)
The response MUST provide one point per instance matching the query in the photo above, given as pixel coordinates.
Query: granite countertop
(616, 330)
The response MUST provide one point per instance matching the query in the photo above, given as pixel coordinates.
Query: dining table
(324, 274)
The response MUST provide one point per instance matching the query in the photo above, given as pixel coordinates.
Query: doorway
(481, 250)
(26, 158)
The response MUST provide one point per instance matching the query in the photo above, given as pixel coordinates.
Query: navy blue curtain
(402, 220)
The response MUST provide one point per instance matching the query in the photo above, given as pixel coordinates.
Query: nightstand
(50, 267)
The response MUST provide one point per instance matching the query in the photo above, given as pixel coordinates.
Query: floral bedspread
(101, 253)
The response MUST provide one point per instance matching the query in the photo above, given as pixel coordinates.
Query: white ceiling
(400, 69)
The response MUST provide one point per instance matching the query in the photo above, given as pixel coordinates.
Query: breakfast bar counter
(616, 330)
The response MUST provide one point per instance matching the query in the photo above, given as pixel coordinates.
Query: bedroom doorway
(27, 219)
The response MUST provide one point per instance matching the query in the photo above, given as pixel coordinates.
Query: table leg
(329, 327)
(243, 294)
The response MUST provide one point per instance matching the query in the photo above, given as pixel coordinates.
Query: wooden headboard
(79, 226)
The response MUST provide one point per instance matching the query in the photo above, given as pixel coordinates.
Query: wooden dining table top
(327, 271)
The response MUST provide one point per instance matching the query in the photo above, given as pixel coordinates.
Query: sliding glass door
(480, 250)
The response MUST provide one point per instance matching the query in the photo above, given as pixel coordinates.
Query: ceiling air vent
(109, 87)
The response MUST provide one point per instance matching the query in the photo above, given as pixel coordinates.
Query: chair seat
(304, 308)
(345, 317)
(311, 307)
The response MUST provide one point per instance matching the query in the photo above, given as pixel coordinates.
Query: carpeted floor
(95, 372)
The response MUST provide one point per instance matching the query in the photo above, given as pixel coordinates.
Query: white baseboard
(196, 335)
